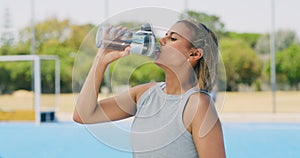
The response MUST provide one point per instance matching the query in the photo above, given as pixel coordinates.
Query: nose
(162, 41)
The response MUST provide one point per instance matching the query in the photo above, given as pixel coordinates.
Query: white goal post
(36, 59)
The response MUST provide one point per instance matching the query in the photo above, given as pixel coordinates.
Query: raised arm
(88, 109)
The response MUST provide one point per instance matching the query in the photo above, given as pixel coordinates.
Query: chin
(156, 62)
(161, 65)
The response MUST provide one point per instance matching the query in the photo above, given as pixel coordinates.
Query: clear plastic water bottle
(141, 42)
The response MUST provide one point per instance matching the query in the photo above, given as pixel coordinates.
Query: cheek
(170, 57)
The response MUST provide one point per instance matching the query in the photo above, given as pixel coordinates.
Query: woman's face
(175, 47)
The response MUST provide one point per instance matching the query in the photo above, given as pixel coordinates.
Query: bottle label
(137, 44)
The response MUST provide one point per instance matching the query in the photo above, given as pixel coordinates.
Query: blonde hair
(207, 66)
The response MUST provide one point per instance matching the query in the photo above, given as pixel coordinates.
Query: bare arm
(88, 109)
(207, 130)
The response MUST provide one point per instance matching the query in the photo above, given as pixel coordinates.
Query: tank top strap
(186, 97)
(184, 103)
(189, 92)
(205, 92)
(162, 85)
(179, 116)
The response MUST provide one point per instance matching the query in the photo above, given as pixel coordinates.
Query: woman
(175, 118)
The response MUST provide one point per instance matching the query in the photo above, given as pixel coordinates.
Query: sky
(253, 16)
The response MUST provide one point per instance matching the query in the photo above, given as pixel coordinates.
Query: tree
(250, 38)
(241, 63)
(67, 49)
(53, 37)
(284, 38)
(291, 65)
(211, 21)
(146, 73)
(288, 66)
(135, 69)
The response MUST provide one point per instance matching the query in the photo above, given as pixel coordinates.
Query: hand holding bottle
(141, 42)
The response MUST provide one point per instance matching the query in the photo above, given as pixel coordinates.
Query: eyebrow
(172, 33)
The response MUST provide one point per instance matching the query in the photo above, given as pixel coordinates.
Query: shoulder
(201, 107)
(142, 87)
(138, 90)
(200, 101)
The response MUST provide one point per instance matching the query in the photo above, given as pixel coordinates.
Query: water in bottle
(141, 42)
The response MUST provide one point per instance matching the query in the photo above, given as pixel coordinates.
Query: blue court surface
(68, 139)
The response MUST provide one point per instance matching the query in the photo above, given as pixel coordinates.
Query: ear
(195, 55)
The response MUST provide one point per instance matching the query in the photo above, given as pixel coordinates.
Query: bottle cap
(146, 27)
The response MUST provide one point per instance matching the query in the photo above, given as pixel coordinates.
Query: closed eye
(170, 36)
(173, 39)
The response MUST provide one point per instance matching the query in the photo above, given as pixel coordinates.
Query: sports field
(262, 136)
(241, 103)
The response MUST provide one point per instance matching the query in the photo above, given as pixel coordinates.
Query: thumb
(125, 52)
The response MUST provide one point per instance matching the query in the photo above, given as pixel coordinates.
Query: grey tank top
(158, 130)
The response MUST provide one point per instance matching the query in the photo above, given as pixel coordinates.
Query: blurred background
(259, 46)
(249, 33)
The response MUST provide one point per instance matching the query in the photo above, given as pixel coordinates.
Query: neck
(179, 83)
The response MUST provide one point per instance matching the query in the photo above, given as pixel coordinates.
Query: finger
(127, 35)
(105, 31)
(126, 51)
(112, 33)
(120, 33)
(115, 55)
